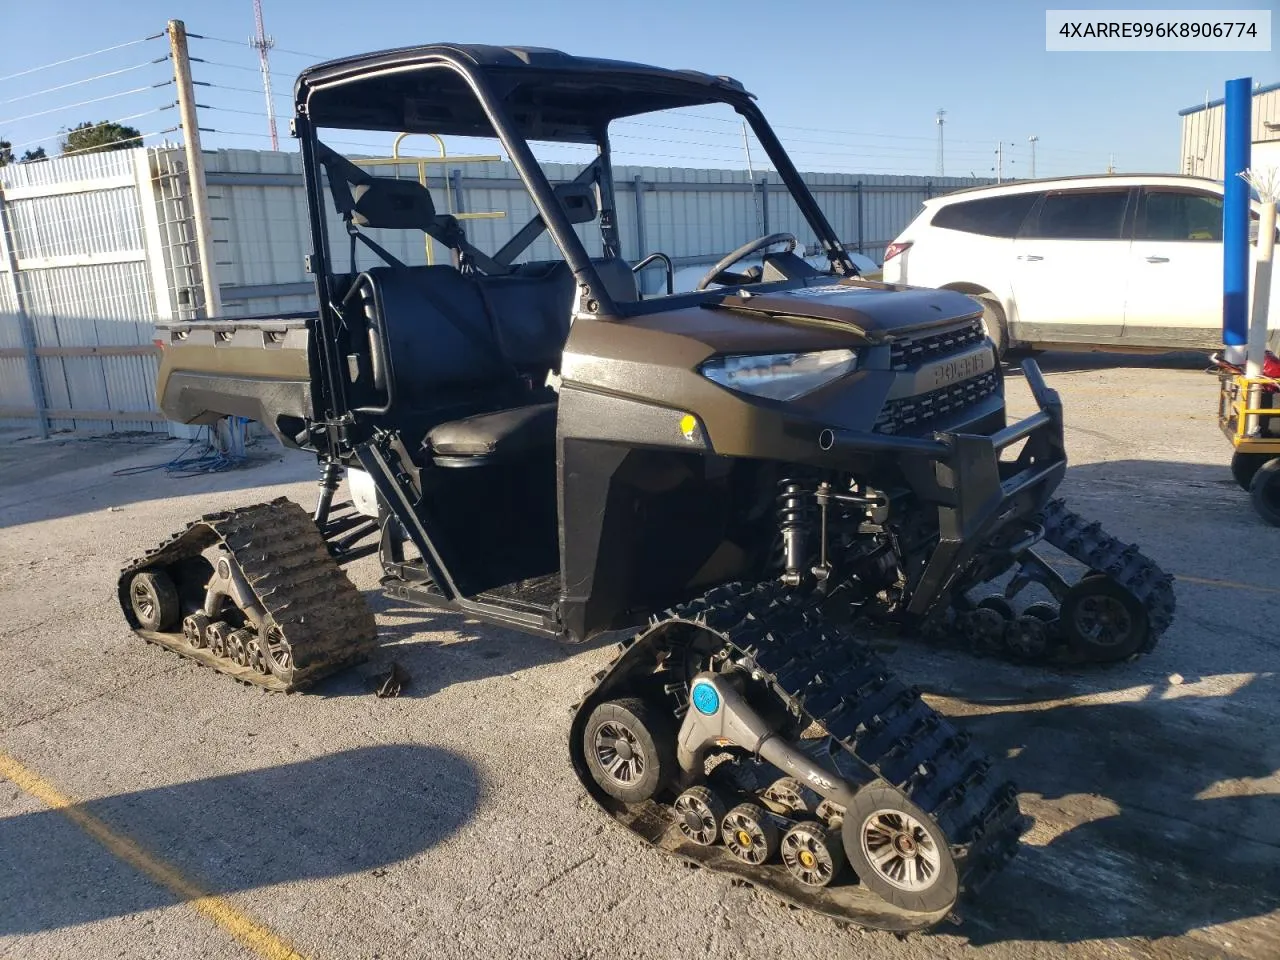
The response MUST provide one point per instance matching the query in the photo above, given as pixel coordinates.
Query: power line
(787, 140)
(76, 83)
(241, 43)
(81, 56)
(104, 123)
(248, 113)
(103, 146)
(81, 103)
(223, 86)
(219, 63)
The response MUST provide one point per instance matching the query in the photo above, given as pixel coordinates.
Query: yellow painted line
(1229, 584)
(244, 928)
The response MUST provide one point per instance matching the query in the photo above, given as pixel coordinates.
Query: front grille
(910, 354)
(910, 414)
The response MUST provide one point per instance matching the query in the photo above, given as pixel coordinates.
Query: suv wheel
(993, 320)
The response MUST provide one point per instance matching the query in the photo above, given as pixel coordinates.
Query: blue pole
(1237, 125)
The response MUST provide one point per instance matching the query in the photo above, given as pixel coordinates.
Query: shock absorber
(330, 477)
(795, 521)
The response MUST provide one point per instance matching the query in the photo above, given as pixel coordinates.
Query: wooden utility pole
(195, 167)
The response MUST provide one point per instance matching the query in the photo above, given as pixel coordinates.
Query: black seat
(467, 344)
(499, 437)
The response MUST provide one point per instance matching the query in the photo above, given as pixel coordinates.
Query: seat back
(436, 333)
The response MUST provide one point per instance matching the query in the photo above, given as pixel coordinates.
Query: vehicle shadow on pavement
(1154, 818)
(437, 649)
(343, 813)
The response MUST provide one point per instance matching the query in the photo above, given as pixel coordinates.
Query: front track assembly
(1119, 609)
(743, 734)
(253, 593)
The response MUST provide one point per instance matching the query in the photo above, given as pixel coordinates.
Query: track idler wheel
(256, 658)
(238, 646)
(1102, 621)
(984, 625)
(630, 748)
(1043, 610)
(898, 852)
(194, 627)
(698, 815)
(749, 833)
(812, 854)
(219, 634)
(1028, 638)
(276, 652)
(154, 599)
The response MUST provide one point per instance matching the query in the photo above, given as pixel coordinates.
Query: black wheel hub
(144, 601)
(617, 753)
(1102, 620)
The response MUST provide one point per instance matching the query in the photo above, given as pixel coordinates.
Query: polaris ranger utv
(537, 444)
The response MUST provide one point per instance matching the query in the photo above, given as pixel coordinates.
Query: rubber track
(324, 618)
(1086, 542)
(826, 677)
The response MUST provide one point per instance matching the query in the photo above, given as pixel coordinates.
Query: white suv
(1128, 262)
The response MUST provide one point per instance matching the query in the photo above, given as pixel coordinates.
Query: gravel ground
(447, 823)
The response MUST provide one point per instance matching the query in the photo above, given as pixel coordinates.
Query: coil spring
(796, 509)
(795, 504)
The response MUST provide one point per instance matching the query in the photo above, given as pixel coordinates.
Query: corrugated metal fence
(96, 249)
(692, 215)
(79, 292)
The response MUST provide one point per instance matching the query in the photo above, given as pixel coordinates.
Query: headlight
(779, 376)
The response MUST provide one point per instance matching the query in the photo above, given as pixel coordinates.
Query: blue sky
(850, 87)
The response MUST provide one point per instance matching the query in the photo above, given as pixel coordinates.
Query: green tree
(36, 154)
(6, 153)
(90, 137)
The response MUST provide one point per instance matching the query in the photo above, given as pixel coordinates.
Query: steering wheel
(722, 266)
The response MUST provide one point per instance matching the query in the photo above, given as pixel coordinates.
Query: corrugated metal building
(694, 215)
(1202, 136)
(82, 284)
(95, 250)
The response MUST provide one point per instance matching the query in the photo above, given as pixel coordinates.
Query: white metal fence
(82, 284)
(97, 248)
(692, 215)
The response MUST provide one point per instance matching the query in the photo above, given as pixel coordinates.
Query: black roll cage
(468, 64)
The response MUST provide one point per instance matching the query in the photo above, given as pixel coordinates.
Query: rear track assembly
(253, 593)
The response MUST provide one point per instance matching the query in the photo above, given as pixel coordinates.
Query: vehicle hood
(877, 312)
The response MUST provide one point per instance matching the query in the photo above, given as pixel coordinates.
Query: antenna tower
(262, 43)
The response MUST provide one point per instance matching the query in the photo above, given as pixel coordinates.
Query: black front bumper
(982, 502)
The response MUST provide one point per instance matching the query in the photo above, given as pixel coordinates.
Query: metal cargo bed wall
(693, 215)
(82, 283)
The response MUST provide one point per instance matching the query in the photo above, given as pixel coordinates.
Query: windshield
(459, 201)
